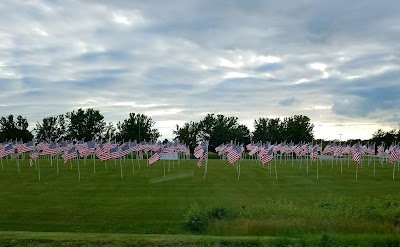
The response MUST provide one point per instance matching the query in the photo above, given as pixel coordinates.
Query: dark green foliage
(187, 134)
(295, 129)
(326, 241)
(212, 155)
(14, 130)
(85, 125)
(217, 213)
(195, 220)
(137, 127)
(217, 129)
(51, 128)
(388, 137)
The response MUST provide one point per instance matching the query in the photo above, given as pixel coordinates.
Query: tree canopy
(297, 128)
(11, 129)
(85, 125)
(137, 127)
(51, 128)
(216, 129)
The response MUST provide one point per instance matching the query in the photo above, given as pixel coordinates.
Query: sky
(337, 62)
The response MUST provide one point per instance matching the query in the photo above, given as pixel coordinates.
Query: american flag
(70, 154)
(33, 155)
(199, 150)
(99, 150)
(86, 148)
(133, 146)
(112, 153)
(26, 147)
(297, 150)
(63, 146)
(169, 147)
(381, 148)
(266, 156)
(156, 156)
(357, 153)
(125, 149)
(253, 150)
(9, 149)
(51, 150)
(314, 153)
(234, 155)
(394, 155)
(200, 161)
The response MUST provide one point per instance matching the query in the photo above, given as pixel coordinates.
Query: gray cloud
(336, 62)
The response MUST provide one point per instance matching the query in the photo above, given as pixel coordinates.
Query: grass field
(257, 209)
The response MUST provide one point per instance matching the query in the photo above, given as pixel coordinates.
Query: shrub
(217, 213)
(195, 220)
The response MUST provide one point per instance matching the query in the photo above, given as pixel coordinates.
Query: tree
(388, 137)
(137, 127)
(187, 134)
(220, 129)
(297, 129)
(14, 130)
(110, 132)
(268, 130)
(85, 125)
(51, 128)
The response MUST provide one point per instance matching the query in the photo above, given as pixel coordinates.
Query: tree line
(90, 124)
(79, 124)
(218, 129)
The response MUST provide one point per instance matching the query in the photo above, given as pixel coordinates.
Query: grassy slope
(146, 203)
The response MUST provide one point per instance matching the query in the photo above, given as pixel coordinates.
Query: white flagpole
(205, 167)
(79, 172)
(120, 164)
(164, 167)
(133, 164)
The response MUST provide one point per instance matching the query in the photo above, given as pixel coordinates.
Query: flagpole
(120, 164)
(79, 172)
(357, 171)
(238, 169)
(205, 167)
(394, 168)
(133, 164)
(19, 171)
(164, 167)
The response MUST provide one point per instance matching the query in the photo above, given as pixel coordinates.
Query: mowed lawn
(144, 202)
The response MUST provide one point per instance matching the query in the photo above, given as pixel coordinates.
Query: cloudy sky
(337, 62)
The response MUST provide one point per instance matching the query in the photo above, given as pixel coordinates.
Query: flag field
(144, 202)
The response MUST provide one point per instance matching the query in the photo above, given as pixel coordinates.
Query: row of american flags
(265, 152)
(103, 151)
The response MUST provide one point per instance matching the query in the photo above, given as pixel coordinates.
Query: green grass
(294, 206)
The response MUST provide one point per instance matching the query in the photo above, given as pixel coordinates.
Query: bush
(395, 218)
(212, 155)
(195, 220)
(217, 213)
